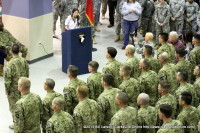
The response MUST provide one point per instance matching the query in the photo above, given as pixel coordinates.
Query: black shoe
(123, 47)
(94, 49)
(110, 25)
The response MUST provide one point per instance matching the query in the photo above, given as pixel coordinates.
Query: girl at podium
(72, 20)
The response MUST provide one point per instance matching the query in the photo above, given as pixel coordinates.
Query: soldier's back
(28, 113)
(107, 105)
(195, 56)
(60, 122)
(169, 48)
(112, 68)
(134, 63)
(155, 66)
(149, 83)
(189, 117)
(185, 65)
(174, 126)
(197, 88)
(86, 114)
(131, 88)
(94, 84)
(126, 117)
(70, 94)
(147, 116)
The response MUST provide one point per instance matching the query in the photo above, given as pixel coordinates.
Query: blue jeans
(129, 27)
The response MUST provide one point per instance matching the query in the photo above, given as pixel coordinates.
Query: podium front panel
(77, 49)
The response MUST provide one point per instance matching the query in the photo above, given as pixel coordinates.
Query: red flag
(89, 12)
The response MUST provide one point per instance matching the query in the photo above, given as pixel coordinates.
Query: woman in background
(72, 20)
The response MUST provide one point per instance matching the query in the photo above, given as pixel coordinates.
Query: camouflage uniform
(185, 65)
(168, 99)
(47, 107)
(94, 84)
(97, 6)
(70, 94)
(6, 41)
(169, 48)
(86, 113)
(17, 67)
(134, 63)
(27, 114)
(191, 11)
(189, 117)
(60, 10)
(147, 116)
(83, 18)
(153, 19)
(197, 88)
(112, 68)
(186, 88)
(131, 88)
(104, 6)
(118, 17)
(143, 4)
(195, 56)
(60, 122)
(127, 117)
(148, 81)
(177, 12)
(198, 21)
(168, 74)
(147, 14)
(107, 106)
(198, 108)
(155, 65)
(171, 127)
(162, 16)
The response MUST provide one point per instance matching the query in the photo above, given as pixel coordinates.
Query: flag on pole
(89, 12)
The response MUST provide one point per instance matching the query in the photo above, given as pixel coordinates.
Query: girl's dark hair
(128, 1)
(181, 51)
(188, 36)
(75, 9)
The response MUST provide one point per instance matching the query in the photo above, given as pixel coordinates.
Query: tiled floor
(40, 71)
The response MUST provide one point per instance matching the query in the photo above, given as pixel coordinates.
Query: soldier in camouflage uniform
(148, 81)
(147, 13)
(70, 90)
(60, 122)
(197, 81)
(104, 4)
(183, 63)
(198, 22)
(168, 72)
(166, 97)
(169, 125)
(28, 110)
(6, 41)
(166, 47)
(106, 101)
(86, 113)
(118, 20)
(194, 53)
(129, 85)
(177, 15)
(147, 115)
(47, 101)
(132, 61)
(182, 77)
(162, 16)
(125, 116)
(60, 10)
(94, 80)
(113, 66)
(191, 11)
(148, 54)
(17, 67)
(189, 115)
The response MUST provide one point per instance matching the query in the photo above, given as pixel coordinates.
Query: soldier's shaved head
(94, 65)
(73, 71)
(130, 48)
(126, 69)
(50, 83)
(144, 98)
(145, 63)
(122, 97)
(24, 83)
(59, 102)
(164, 56)
(83, 91)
